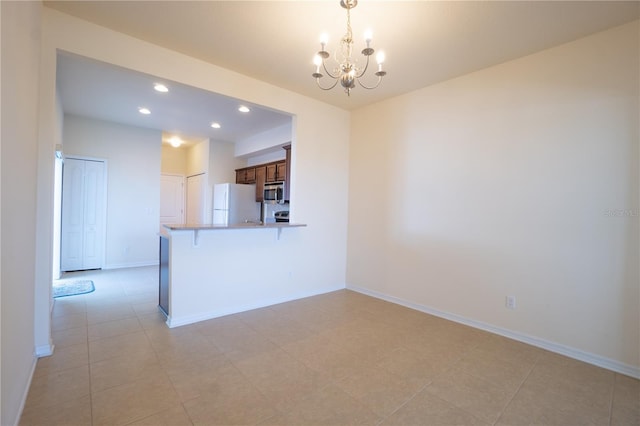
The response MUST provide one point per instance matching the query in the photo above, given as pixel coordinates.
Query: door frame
(206, 203)
(103, 228)
(184, 193)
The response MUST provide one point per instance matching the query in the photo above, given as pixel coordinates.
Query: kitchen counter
(205, 273)
(279, 226)
(236, 226)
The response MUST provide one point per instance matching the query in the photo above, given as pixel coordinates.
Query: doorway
(171, 199)
(197, 191)
(82, 233)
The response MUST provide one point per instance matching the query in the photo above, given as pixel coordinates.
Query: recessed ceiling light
(161, 88)
(243, 108)
(175, 141)
(215, 125)
(144, 111)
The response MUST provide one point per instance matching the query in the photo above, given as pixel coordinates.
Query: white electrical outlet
(510, 302)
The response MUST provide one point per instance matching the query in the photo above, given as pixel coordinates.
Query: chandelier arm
(335, 77)
(365, 68)
(370, 87)
(326, 88)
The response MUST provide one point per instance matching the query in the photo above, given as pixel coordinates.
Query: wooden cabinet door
(271, 172)
(261, 173)
(251, 175)
(246, 176)
(281, 171)
(240, 176)
(287, 181)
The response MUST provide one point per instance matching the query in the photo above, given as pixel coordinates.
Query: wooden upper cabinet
(281, 171)
(278, 171)
(287, 180)
(271, 172)
(251, 175)
(240, 176)
(246, 175)
(261, 173)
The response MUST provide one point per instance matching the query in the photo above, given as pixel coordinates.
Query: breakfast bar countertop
(204, 273)
(251, 225)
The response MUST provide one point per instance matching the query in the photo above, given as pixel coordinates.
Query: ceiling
(183, 111)
(425, 41)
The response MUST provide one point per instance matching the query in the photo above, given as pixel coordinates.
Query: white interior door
(171, 199)
(82, 230)
(72, 215)
(93, 240)
(197, 200)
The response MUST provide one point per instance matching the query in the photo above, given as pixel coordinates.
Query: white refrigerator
(234, 204)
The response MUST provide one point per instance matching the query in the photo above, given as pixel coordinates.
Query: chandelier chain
(349, 36)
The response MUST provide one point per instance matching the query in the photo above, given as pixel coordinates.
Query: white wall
(278, 155)
(321, 137)
(173, 160)
(18, 174)
(198, 158)
(57, 197)
(265, 141)
(222, 162)
(133, 185)
(520, 179)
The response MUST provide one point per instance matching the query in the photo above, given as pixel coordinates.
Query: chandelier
(346, 71)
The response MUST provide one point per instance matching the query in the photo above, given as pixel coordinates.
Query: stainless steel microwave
(274, 192)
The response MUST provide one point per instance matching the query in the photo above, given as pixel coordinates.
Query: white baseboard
(25, 392)
(597, 360)
(130, 265)
(173, 322)
(44, 350)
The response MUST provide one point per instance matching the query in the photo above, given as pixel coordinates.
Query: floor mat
(73, 288)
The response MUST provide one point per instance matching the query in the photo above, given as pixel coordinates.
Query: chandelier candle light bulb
(324, 39)
(317, 60)
(346, 71)
(380, 60)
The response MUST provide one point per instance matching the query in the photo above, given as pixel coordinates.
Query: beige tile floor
(337, 359)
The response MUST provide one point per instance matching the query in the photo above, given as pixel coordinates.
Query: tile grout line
(451, 369)
(84, 301)
(144, 330)
(164, 372)
(96, 340)
(277, 410)
(330, 382)
(155, 352)
(426, 385)
(517, 390)
(613, 391)
(405, 403)
(253, 385)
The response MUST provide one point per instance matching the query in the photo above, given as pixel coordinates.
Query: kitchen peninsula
(208, 271)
